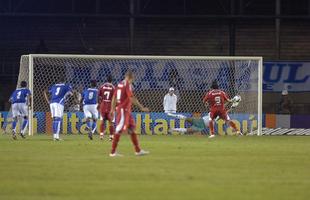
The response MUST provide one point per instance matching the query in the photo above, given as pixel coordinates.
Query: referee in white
(170, 101)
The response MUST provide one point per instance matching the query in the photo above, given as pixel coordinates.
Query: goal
(191, 76)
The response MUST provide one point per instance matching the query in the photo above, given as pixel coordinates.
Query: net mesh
(190, 77)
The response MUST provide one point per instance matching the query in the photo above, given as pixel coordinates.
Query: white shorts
(90, 111)
(19, 109)
(57, 110)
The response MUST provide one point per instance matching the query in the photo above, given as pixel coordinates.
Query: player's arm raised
(46, 96)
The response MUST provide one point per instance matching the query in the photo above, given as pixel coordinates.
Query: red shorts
(124, 121)
(106, 116)
(221, 113)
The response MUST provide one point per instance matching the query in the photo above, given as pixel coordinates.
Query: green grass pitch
(179, 167)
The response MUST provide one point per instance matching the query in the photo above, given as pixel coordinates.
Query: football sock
(115, 142)
(55, 121)
(211, 126)
(24, 126)
(14, 124)
(177, 116)
(102, 126)
(233, 125)
(181, 130)
(94, 127)
(135, 142)
(89, 125)
(111, 129)
(58, 128)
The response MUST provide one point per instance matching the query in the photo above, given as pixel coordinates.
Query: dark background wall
(274, 29)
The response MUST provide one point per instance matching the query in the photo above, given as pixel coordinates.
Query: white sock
(181, 130)
(177, 116)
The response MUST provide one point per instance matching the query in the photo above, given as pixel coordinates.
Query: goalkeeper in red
(122, 101)
(216, 99)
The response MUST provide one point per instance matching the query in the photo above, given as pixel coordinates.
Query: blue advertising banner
(161, 74)
(146, 123)
(291, 76)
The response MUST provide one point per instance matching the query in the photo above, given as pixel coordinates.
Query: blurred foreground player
(106, 92)
(90, 100)
(122, 101)
(20, 100)
(217, 99)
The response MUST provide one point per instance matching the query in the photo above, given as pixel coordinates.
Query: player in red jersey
(106, 92)
(217, 99)
(122, 101)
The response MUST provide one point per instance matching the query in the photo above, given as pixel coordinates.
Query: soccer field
(179, 167)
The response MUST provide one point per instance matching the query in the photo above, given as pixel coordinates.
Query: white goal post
(190, 75)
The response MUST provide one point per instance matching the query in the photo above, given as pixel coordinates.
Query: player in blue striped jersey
(90, 104)
(21, 101)
(58, 93)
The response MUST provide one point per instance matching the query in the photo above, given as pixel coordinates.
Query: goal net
(191, 78)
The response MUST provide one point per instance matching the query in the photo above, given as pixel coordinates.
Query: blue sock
(89, 125)
(14, 123)
(25, 123)
(55, 122)
(94, 126)
(56, 127)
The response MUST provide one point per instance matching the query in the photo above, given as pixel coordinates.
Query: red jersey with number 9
(123, 94)
(106, 92)
(216, 99)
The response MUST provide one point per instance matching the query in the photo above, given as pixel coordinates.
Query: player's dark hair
(23, 84)
(93, 83)
(61, 79)
(109, 78)
(214, 85)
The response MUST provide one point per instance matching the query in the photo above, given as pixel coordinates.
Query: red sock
(211, 126)
(115, 142)
(102, 126)
(135, 142)
(233, 125)
(111, 129)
